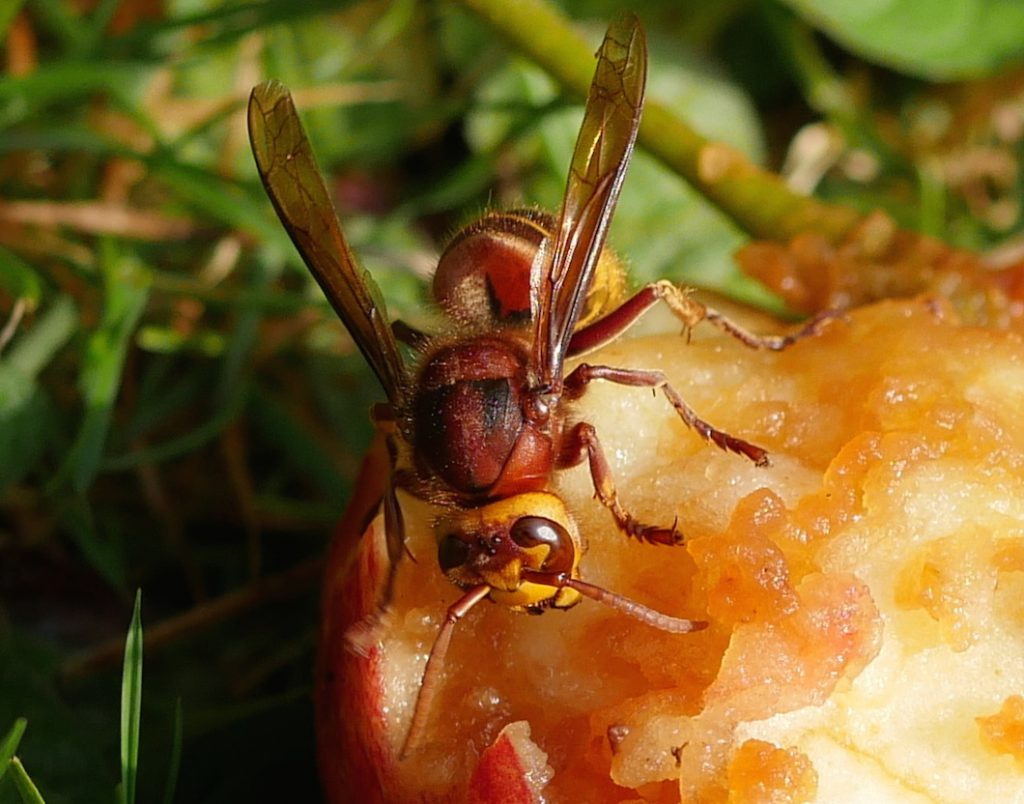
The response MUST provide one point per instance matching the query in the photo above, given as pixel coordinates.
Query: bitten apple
(863, 592)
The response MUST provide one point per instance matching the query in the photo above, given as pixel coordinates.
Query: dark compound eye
(531, 531)
(452, 553)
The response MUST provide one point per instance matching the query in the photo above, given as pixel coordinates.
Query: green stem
(756, 199)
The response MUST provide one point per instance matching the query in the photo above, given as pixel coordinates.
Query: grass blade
(19, 278)
(10, 744)
(297, 445)
(36, 346)
(131, 703)
(105, 552)
(182, 445)
(26, 787)
(126, 291)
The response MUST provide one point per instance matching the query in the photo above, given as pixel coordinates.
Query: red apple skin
(355, 751)
(356, 760)
(500, 776)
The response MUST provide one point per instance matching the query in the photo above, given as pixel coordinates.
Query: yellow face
(494, 543)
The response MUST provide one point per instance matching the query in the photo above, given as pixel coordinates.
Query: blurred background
(181, 413)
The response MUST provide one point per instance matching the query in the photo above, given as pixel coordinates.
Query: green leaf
(104, 552)
(26, 416)
(47, 136)
(126, 290)
(23, 97)
(60, 20)
(936, 39)
(297, 446)
(35, 346)
(98, 25)
(164, 390)
(221, 200)
(25, 423)
(166, 340)
(19, 278)
(131, 703)
(9, 745)
(218, 24)
(182, 445)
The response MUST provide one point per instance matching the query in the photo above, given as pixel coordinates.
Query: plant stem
(756, 199)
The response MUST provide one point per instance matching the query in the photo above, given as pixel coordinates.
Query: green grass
(9, 745)
(131, 704)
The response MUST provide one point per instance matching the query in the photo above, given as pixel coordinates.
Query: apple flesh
(863, 592)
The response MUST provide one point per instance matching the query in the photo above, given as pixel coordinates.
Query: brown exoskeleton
(482, 423)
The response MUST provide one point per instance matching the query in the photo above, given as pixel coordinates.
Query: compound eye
(452, 553)
(531, 531)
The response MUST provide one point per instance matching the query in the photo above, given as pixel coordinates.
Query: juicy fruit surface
(864, 593)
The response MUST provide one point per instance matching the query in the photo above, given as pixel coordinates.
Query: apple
(863, 592)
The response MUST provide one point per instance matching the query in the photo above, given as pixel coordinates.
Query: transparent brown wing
(598, 167)
(295, 186)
